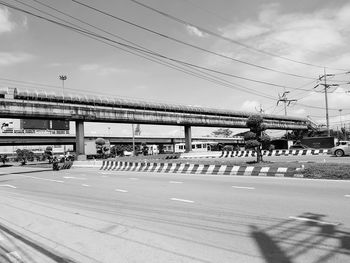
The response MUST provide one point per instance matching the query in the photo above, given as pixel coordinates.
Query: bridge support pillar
(79, 143)
(188, 138)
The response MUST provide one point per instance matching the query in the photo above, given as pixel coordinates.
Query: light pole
(63, 78)
(341, 121)
(133, 139)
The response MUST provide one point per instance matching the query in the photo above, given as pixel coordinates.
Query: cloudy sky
(244, 53)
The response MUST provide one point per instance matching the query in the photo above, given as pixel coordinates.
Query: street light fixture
(63, 78)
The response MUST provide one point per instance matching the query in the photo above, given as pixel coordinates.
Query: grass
(327, 171)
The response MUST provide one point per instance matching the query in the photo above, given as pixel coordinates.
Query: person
(55, 166)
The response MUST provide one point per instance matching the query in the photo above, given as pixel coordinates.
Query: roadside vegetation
(327, 171)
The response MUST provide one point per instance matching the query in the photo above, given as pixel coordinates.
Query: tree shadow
(8, 254)
(305, 238)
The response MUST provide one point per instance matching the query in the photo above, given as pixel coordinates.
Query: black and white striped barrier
(228, 154)
(65, 165)
(200, 169)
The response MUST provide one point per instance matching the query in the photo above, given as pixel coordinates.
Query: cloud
(316, 36)
(9, 58)
(250, 105)
(193, 31)
(101, 70)
(5, 24)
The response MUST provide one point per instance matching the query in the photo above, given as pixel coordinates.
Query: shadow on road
(12, 250)
(295, 239)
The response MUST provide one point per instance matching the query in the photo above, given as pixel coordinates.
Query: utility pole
(326, 87)
(283, 98)
(133, 139)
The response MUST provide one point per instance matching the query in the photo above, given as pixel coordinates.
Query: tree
(101, 148)
(222, 133)
(24, 155)
(256, 138)
(48, 153)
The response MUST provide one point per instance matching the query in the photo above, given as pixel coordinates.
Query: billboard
(35, 124)
(59, 125)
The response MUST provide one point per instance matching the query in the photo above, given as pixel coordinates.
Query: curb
(206, 169)
(228, 154)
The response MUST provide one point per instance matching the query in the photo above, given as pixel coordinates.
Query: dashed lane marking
(175, 182)
(347, 195)
(86, 185)
(121, 190)
(72, 177)
(243, 187)
(8, 185)
(132, 178)
(182, 200)
(38, 178)
(1, 238)
(305, 219)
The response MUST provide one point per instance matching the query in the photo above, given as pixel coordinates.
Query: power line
(225, 38)
(94, 36)
(185, 43)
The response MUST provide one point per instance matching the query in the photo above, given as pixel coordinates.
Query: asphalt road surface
(87, 215)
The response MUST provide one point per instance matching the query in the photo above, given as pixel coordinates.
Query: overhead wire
(224, 37)
(242, 88)
(125, 45)
(87, 33)
(185, 43)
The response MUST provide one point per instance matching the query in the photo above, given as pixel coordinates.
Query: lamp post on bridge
(63, 78)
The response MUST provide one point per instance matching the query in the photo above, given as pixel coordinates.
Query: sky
(248, 52)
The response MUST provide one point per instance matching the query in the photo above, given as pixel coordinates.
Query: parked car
(342, 149)
(298, 147)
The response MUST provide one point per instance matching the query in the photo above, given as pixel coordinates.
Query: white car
(342, 149)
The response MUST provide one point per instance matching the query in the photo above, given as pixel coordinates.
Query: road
(87, 215)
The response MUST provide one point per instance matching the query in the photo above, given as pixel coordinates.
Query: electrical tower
(326, 86)
(283, 98)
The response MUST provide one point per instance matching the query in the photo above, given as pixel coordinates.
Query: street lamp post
(63, 78)
(341, 121)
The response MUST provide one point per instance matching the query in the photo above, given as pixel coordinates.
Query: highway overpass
(16, 103)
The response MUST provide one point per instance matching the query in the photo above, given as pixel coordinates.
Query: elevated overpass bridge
(18, 103)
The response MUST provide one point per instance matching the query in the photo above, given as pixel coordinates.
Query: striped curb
(65, 165)
(208, 169)
(228, 154)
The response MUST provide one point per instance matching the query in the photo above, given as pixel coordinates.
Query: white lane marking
(175, 182)
(72, 177)
(243, 187)
(104, 173)
(132, 178)
(305, 219)
(1, 238)
(14, 257)
(85, 185)
(38, 178)
(347, 195)
(181, 200)
(8, 185)
(121, 190)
